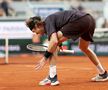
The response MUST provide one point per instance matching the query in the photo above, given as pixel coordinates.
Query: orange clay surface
(74, 73)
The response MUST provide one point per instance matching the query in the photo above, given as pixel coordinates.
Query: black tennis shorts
(83, 27)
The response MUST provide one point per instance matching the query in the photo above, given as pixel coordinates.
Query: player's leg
(53, 70)
(51, 78)
(84, 46)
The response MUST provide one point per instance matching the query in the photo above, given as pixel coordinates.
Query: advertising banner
(100, 48)
(14, 30)
(17, 34)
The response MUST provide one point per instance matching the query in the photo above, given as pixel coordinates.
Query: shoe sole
(101, 80)
(50, 84)
(55, 83)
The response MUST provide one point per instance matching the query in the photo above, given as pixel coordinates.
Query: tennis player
(59, 27)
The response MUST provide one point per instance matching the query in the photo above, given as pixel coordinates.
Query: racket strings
(42, 48)
(36, 47)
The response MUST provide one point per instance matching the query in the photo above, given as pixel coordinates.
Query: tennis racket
(43, 48)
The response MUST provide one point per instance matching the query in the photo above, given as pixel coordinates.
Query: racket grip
(68, 51)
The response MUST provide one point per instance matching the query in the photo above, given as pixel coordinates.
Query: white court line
(66, 68)
(58, 69)
(61, 67)
(77, 68)
(74, 69)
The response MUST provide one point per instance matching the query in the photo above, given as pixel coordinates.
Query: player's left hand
(40, 64)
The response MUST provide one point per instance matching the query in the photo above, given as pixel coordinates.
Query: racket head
(37, 47)
(42, 48)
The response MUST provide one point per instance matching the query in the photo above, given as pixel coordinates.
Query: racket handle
(68, 51)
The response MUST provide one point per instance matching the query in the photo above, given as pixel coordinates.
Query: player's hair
(30, 23)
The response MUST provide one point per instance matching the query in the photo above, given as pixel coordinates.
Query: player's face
(38, 30)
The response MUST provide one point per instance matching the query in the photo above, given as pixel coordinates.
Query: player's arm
(55, 40)
(51, 48)
(53, 43)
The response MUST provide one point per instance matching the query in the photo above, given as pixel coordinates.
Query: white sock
(52, 71)
(100, 69)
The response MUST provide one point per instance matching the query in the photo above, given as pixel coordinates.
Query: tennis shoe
(45, 81)
(49, 81)
(54, 81)
(100, 77)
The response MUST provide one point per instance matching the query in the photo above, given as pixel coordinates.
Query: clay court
(74, 73)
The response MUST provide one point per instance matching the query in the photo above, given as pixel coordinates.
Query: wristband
(60, 44)
(47, 54)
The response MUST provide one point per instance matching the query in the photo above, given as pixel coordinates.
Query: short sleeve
(50, 25)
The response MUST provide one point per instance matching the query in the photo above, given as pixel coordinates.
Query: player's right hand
(40, 64)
